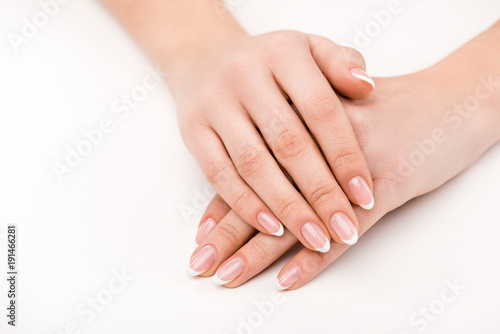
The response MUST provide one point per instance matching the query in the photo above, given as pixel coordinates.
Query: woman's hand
(416, 132)
(233, 93)
(238, 92)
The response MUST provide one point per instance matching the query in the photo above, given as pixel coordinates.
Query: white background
(120, 209)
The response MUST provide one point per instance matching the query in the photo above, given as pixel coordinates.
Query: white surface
(120, 207)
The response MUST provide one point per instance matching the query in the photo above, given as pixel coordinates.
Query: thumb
(344, 67)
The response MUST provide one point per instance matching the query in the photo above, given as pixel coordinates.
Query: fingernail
(360, 74)
(270, 223)
(229, 271)
(288, 278)
(361, 192)
(344, 228)
(202, 260)
(316, 237)
(205, 228)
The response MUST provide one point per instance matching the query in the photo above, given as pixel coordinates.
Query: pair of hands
(237, 120)
(234, 93)
(233, 245)
(384, 124)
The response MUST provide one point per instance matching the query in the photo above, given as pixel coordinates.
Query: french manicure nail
(270, 223)
(205, 228)
(229, 271)
(361, 192)
(316, 237)
(344, 228)
(288, 278)
(360, 74)
(202, 260)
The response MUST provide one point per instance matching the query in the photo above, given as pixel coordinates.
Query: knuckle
(359, 119)
(345, 160)
(322, 194)
(220, 203)
(229, 234)
(277, 120)
(215, 171)
(321, 106)
(290, 143)
(249, 161)
(260, 249)
(287, 208)
(242, 201)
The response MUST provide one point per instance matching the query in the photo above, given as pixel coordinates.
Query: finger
(227, 237)
(256, 255)
(261, 172)
(306, 265)
(327, 120)
(294, 148)
(262, 250)
(343, 66)
(216, 210)
(220, 171)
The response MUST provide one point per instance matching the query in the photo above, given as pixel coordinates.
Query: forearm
(173, 32)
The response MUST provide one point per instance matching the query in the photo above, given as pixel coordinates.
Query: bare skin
(231, 88)
(227, 83)
(455, 104)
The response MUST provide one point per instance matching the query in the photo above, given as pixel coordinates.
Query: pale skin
(227, 84)
(233, 93)
(455, 103)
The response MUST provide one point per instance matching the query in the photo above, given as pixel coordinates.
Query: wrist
(188, 59)
(199, 36)
(445, 134)
(194, 61)
(460, 119)
(176, 34)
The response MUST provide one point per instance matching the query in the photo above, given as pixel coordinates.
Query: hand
(291, 66)
(239, 90)
(233, 93)
(391, 126)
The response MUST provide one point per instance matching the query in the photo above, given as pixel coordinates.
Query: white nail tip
(353, 240)
(325, 248)
(280, 232)
(218, 281)
(369, 206)
(365, 79)
(279, 287)
(194, 272)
